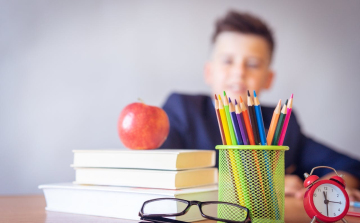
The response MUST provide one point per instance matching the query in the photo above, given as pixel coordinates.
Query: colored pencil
(257, 155)
(283, 130)
(274, 121)
(249, 130)
(279, 124)
(228, 118)
(247, 159)
(238, 171)
(238, 133)
(243, 164)
(286, 121)
(277, 135)
(240, 120)
(224, 178)
(224, 122)
(269, 172)
(253, 119)
(255, 162)
(221, 128)
(259, 120)
(233, 166)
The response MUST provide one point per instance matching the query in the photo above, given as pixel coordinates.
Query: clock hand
(335, 202)
(327, 203)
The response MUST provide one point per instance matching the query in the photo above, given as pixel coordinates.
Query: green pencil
(279, 125)
(240, 158)
(228, 118)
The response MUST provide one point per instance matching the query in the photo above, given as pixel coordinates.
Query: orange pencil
(219, 121)
(247, 122)
(273, 123)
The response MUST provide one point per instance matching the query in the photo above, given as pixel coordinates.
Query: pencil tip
(235, 102)
(219, 97)
(254, 94)
(229, 100)
(215, 97)
(248, 93)
(292, 95)
(286, 101)
(224, 93)
(241, 101)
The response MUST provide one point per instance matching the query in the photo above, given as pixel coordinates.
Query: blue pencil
(235, 124)
(260, 121)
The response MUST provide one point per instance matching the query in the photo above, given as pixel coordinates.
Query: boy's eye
(253, 63)
(227, 61)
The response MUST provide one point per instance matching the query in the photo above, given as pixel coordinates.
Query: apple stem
(141, 100)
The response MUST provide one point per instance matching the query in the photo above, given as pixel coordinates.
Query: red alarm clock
(325, 200)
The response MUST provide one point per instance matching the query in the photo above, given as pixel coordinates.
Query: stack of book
(115, 183)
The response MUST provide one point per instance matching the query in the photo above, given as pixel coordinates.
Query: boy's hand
(354, 194)
(294, 186)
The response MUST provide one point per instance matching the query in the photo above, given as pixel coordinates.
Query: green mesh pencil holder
(253, 176)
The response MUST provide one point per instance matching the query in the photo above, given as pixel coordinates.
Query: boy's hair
(244, 23)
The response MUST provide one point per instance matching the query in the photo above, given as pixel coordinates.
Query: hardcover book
(166, 179)
(120, 202)
(161, 159)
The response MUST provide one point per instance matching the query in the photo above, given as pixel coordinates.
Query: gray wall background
(67, 68)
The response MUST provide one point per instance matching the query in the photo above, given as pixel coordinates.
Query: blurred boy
(240, 60)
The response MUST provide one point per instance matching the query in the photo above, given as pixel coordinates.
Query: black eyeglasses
(156, 210)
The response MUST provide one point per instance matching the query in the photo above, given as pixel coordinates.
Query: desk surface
(32, 209)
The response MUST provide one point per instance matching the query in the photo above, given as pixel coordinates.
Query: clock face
(329, 200)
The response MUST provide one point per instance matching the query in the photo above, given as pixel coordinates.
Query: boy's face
(239, 62)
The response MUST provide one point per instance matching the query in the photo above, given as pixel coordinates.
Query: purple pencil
(235, 124)
(241, 122)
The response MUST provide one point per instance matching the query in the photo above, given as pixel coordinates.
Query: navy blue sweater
(193, 125)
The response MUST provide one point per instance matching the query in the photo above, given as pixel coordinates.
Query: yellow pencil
(224, 122)
(235, 172)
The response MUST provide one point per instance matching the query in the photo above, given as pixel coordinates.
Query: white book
(165, 179)
(162, 159)
(120, 202)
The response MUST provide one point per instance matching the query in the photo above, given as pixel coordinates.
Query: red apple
(143, 126)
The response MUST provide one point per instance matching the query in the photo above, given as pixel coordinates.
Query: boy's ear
(269, 79)
(208, 73)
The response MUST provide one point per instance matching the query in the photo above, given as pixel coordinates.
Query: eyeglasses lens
(164, 206)
(224, 211)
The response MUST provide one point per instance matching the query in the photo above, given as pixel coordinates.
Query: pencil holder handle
(253, 176)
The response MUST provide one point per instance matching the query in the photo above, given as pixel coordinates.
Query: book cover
(162, 159)
(119, 202)
(166, 179)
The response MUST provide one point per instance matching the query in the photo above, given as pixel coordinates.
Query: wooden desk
(31, 209)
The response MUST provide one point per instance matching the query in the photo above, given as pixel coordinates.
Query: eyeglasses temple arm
(161, 220)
